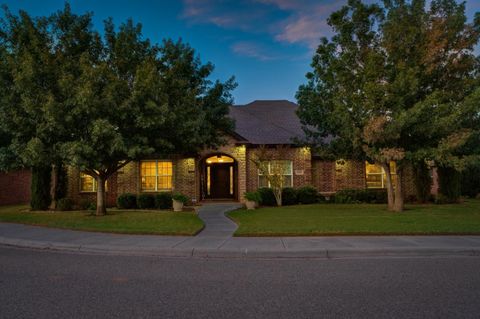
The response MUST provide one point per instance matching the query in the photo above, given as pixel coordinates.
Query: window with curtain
(156, 175)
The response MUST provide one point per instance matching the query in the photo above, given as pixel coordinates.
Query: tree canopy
(397, 82)
(98, 102)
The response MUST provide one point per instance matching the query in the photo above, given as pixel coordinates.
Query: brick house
(227, 172)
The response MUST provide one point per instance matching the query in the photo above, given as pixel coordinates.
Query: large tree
(133, 99)
(396, 83)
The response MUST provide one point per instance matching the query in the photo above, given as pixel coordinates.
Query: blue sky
(266, 44)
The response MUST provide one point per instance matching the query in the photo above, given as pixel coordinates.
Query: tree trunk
(278, 196)
(101, 205)
(390, 189)
(399, 203)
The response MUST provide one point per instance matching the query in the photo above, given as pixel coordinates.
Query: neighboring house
(228, 172)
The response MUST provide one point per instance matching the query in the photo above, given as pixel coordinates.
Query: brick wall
(323, 176)
(15, 187)
(349, 175)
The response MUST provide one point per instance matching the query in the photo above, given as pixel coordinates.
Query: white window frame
(156, 177)
(269, 166)
(381, 174)
(94, 184)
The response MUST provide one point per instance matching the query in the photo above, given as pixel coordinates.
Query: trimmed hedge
(370, 196)
(268, 198)
(289, 196)
(163, 200)
(127, 201)
(307, 195)
(87, 204)
(145, 201)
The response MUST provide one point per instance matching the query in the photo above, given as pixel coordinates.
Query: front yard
(359, 219)
(116, 221)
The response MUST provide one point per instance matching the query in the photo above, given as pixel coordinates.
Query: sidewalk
(216, 241)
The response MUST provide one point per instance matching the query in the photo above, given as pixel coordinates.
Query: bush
(86, 204)
(449, 181)
(289, 196)
(145, 201)
(267, 196)
(423, 182)
(371, 196)
(40, 188)
(471, 181)
(307, 195)
(127, 201)
(163, 201)
(64, 204)
(253, 197)
(179, 197)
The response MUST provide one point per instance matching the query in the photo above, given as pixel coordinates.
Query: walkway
(216, 241)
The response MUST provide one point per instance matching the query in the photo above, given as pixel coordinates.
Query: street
(45, 284)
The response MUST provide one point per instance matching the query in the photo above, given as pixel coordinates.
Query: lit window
(88, 183)
(278, 167)
(156, 175)
(376, 177)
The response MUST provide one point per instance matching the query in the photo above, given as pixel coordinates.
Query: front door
(220, 183)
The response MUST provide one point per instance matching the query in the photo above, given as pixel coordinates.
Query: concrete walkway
(216, 241)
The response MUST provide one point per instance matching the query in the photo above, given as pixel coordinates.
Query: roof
(267, 122)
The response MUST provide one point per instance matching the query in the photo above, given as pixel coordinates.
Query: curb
(243, 253)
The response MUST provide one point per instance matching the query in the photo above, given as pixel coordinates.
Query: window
(156, 175)
(275, 167)
(88, 183)
(376, 177)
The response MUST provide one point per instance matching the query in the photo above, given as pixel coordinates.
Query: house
(228, 172)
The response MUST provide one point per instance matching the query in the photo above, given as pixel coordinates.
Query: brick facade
(327, 176)
(15, 187)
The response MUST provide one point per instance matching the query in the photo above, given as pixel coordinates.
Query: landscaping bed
(154, 222)
(359, 219)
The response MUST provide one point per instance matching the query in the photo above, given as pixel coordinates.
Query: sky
(266, 44)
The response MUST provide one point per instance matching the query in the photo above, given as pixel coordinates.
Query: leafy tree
(134, 99)
(397, 82)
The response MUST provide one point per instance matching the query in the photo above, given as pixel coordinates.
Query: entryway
(219, 178)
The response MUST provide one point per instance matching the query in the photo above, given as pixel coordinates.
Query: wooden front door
(220, 183)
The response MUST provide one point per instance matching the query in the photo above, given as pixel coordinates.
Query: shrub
(145, 201)
(267, 196)
(163, 201)
(64, 204)
(471, 181)
(423, 181)
(127, 201)
(371, 196)
(86, 204)
(40, 188)
(179, 197)
(253, 197)
(289, 196)
(307, 195)
(449, 181)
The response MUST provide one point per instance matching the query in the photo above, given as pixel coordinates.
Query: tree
(271, 168)
(134, 99)
(396, 83)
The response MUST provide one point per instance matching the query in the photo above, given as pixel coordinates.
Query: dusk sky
(266, 44)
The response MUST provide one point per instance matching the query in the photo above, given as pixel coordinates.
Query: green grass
(359, 219)
(116, 221)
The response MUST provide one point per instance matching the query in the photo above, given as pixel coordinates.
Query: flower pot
(250, 204)
(177, 206)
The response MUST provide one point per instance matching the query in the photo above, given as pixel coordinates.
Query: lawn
(116, 221)
(359, 219)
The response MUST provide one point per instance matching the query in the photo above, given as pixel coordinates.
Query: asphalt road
(41, 284)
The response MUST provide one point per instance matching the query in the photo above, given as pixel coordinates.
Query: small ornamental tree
(271, 166)
(396, 83)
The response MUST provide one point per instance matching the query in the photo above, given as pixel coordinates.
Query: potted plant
(179, 200)
(252, 199)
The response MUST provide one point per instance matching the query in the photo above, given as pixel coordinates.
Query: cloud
(287, 21)
(252, 50)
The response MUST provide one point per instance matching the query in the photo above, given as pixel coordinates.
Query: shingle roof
(267, 122)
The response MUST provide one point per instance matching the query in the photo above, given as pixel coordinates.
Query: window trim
(259, 173)
(94, 184)
(156, 190)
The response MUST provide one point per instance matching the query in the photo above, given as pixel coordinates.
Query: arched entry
(219, 177)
